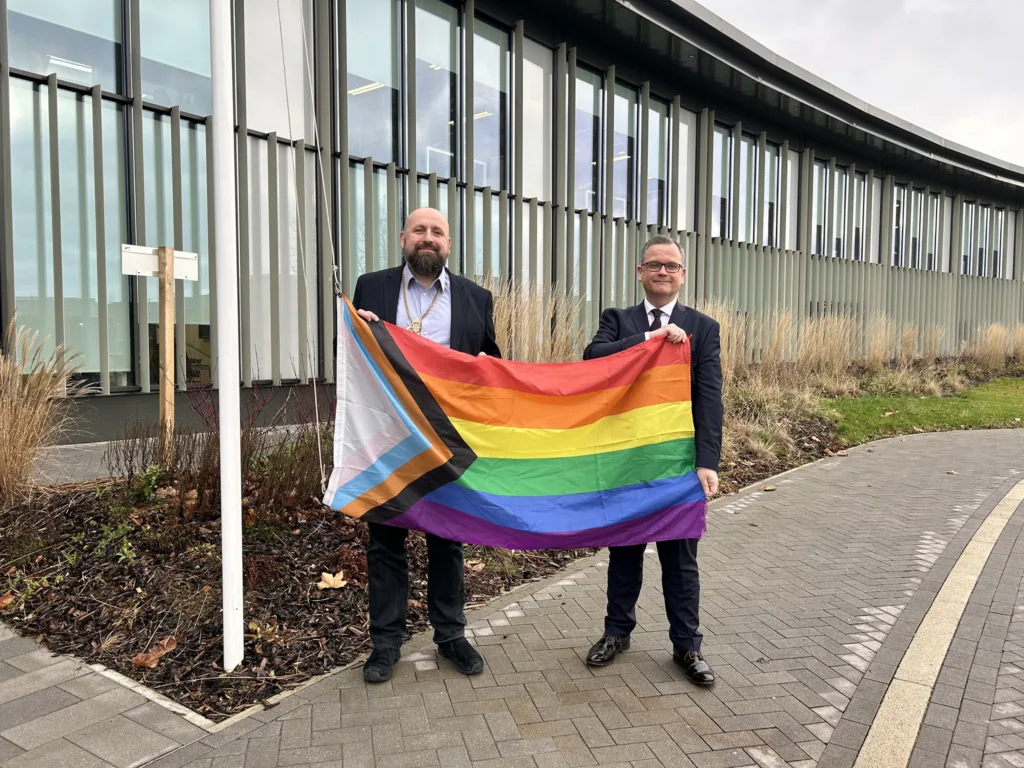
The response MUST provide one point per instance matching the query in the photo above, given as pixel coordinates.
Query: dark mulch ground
(89, 576)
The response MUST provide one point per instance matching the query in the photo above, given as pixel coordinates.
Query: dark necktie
(656, 322)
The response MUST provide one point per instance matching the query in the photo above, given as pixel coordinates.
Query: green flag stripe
(580, 474)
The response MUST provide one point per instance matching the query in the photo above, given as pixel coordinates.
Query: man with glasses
(661, 273)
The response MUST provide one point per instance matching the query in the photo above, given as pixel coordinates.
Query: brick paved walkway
(811, 593)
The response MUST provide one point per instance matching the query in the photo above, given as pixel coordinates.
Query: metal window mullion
(139, 192)
(886, 254)
(546, 280)
(453, 211)
(760, 199)
(851, 196)
(431, 191)
(211, 240)
(7, 300)
(562, 224)
(274, 222)
(179, 245)
(242, 153)
(469, 155)
(830, 210)
(394, 251)
(785, 180)
(990, 239)
(412, 180)
(517, 154)
(607, 251)
(101, 227)
(975, 238)
(331, 191)
(530, 273)
(1018, 249)
(569, 163)
(503, 234)
(485, 212)
(369, 221)
(303, 266)
(55, 221)
(642, 166)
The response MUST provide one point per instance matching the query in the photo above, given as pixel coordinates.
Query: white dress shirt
(437, 325)
(666, 317)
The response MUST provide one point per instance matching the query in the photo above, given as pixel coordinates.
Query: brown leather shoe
(604, 650)
(696, 669)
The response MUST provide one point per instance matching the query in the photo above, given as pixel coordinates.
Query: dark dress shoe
(381, 664)
(463, 655)
(604, 650)
(697, 670)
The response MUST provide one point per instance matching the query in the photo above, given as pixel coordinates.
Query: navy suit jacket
(624, 328)
(472, 308)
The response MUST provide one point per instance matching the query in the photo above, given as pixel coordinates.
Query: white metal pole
(226, 248)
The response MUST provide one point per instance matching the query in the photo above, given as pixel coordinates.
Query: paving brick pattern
(56, 711)
(810, 596)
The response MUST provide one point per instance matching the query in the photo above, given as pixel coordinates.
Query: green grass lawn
(999, 403)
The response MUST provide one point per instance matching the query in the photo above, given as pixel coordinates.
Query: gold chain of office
(416, 326)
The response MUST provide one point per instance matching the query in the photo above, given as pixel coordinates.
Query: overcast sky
(954, 67)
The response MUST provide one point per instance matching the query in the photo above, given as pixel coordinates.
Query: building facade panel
(553, 158)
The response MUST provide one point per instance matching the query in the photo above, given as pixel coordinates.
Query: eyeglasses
(654, 266)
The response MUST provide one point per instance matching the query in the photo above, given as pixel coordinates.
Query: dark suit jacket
(472, 308)
(623, 328)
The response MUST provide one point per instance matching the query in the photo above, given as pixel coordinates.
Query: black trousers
(388, 568)
(680, 582)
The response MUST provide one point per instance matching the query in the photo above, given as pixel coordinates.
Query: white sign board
(144, 262)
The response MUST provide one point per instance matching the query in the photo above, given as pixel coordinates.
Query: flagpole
(226, 250)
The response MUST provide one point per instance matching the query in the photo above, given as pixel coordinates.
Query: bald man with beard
(422, 296)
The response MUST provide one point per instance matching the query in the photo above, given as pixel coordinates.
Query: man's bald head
(425, 242)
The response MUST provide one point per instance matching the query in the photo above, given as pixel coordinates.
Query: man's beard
(426, 262)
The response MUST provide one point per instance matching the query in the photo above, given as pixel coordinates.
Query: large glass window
(771, 195)
(624, 152)
(859, 211)
(538, 81)
(588, 139)
(747, 193)
(657, 163)
(686, 184)
(819, 203)
(277, 82)
(791, 226)
(78, 40)
(721, 181)
(490, 105)
(34, 276)
(176, 54)
(981, 243)
(917, 223)
(839, 209)
(999, 238)
(900, 221)
(967, 240)
(437, 87)
(931, 248)
(374, 97)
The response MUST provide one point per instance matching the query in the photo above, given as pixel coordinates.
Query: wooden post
(165, 337)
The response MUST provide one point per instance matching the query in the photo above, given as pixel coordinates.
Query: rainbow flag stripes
(515, 455)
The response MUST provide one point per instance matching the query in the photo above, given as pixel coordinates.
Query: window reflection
(373, 85)
(771, 195)
(657, 163)
(437, 89)
(538, 76)
(721, 181)
(747, 197)
(624, 152)
(176, 54)
(490, 105)
(78, 40)
(588, 139)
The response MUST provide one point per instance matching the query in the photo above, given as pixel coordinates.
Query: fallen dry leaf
(842, 453)
(475, 565)
(415, 604)
(890, 413)
(952, 472)
(6, 600)
(329, 581)
(151, 659)
(768, 488)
